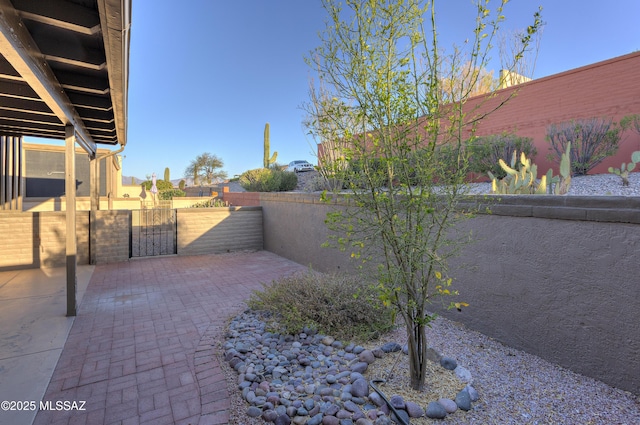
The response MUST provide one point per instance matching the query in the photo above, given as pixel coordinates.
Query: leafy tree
(322, 109)
(386, 71)
(467, 81)
(510, 48)
(204, 169)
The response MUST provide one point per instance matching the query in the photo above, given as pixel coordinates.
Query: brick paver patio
(140, 350)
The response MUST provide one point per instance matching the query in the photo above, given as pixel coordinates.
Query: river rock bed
(311, 378)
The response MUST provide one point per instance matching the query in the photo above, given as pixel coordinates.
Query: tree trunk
(417, 354)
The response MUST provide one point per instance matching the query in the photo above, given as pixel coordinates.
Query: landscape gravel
(509, 386)
(512, 387)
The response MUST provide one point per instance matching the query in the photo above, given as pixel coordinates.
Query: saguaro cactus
(268, 161)
(167, 176)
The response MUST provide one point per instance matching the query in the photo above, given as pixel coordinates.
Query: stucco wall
(559, 279)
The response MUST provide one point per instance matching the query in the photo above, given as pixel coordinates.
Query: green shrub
(289, 180)
(592, 140)
(160, 184)
(485, 152)
(167, 195)
(447, 157)
(210, 203)
(268, 180)
(347, 308)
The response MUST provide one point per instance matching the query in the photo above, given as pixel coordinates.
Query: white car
(300, 166)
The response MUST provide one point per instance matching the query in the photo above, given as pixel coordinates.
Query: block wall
(217, 230)
(38, 239)
(111, 236)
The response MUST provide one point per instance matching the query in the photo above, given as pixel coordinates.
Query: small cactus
(524, 180)
(625, 169)
(267, 162)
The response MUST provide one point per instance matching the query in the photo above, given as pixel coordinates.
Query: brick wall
(217, 230)
(251, 199)
(607, 89)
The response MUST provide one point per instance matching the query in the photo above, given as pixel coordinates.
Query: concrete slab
(33, 331)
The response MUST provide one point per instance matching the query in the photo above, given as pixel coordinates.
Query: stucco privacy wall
(554, 276)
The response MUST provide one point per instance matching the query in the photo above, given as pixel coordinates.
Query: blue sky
(206, 77)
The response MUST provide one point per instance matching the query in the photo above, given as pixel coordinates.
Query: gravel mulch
(515, 387)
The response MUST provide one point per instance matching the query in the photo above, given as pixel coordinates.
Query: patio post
(70, 194)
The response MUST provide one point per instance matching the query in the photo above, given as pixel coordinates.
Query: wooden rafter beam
(19, 49)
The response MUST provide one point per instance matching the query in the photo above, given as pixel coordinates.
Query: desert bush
(210, 203)
(448, 159)
(317, 183)
(592, 140)
(160, 184)
(346, 308)
(167, 195)
(268, 180)
(631, 122)
(288, 181)
(486, 151)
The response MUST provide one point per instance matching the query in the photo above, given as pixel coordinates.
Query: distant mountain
(126, 180)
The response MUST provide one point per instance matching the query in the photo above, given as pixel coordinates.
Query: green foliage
(268, 180)
(268, 161)
(182, 184)
(345, 307)
(592, 141)
(522, 178)
(385, 69)
(167, 175)
(204, 169)
(288, 181)
(632, 122)
(160, 185)
(486, 152)
(625, 169)
(166, 195)
(210, 203)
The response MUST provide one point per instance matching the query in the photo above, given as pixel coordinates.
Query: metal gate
(153, 231)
